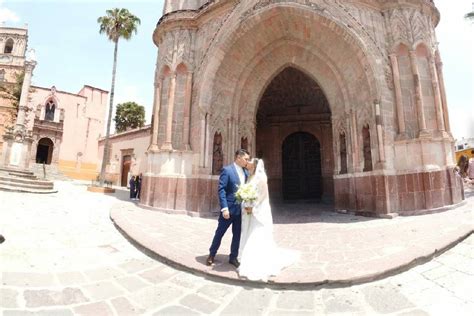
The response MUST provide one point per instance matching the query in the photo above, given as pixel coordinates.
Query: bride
(259, 255)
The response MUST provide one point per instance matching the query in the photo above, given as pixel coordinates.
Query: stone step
(10, 188)
(21, 180)
(23, 175)
(17, 171)
(52, 172)
(35, 186)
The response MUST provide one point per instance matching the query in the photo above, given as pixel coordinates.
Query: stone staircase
(17, 180)
(52, 172)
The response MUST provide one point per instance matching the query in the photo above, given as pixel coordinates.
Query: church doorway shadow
(312, 211)
(122, 194)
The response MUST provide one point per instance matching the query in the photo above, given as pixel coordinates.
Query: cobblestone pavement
(63, 256)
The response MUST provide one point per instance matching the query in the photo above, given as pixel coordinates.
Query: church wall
(175, 5)
(367, 79)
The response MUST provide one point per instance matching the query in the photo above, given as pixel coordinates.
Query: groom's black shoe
(234, 262)
(210, 260)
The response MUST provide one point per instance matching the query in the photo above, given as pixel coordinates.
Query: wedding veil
(262, 210)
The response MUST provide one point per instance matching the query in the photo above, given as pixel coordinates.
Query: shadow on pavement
(468, 191)
(284, 212)
(299, 213)
(220, 263)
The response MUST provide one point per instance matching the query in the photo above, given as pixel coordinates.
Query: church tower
(13, 45)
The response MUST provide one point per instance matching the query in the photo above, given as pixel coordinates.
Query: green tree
(118, 23)
(129, 115)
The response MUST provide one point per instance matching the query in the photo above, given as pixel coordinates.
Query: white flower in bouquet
(246, 194)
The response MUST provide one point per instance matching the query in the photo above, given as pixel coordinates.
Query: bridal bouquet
(247, 195)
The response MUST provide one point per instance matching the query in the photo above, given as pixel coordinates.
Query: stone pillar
(442, 90)
(398, 97)
(187, 111)
(168, 145)
(355, 143)
(23, 106)
(418, 95)
(203, 128)
(378, 123)
(156, 116)
(437, 96)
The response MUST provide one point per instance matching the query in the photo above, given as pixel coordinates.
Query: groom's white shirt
(241, 174)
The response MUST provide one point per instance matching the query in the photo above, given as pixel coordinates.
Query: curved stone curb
(165, 248)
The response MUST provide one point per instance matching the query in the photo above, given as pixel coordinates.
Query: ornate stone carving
(177, 47)
(408, 26)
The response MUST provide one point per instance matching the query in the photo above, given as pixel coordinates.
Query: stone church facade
(344, 101)
(13, 46)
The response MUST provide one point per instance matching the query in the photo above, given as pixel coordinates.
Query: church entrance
(126, 163)
(44, 151)
(301, 159)
(294, 137)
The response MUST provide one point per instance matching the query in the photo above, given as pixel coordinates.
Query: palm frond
(118, 23)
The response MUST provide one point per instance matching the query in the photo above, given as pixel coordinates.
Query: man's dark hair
(241, 152)
(472, 152)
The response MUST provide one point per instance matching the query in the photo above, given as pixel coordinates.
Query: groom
(231, 177)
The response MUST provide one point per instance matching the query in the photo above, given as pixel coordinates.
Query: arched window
(8, 46)
(244, 143)
(343, 152)
(49, 111)
(217, 154)
(367, 149)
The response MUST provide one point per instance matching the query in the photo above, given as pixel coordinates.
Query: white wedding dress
(259, 255)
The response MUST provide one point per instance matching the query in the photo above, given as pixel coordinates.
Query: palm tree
(118, 23)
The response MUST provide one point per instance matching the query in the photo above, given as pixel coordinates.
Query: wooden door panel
(301, 167)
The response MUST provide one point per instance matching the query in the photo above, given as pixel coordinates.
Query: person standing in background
(133, 191)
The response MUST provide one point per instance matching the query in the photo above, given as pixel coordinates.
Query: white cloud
(7, 15)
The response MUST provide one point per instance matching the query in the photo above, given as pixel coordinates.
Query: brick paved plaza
(63, 256)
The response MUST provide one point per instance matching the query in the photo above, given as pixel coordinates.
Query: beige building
(344, 100)
(66, 128)
(13, 45)
(127, 154)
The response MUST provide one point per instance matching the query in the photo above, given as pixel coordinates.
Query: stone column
(20, 119)
(203, 128)
(418, 95)
(398, 97)
(442, 90)
(156, 115)
(437, 96)
(378, 123)
(187, 111)
(355, 143)
(168, 145)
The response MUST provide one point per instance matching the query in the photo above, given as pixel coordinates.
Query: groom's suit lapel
(236, 175)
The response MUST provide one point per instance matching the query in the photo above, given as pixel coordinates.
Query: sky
(71, 52)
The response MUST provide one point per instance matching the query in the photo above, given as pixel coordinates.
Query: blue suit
(228, 184)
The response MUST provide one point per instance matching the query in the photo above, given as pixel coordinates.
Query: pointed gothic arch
(8, 46)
